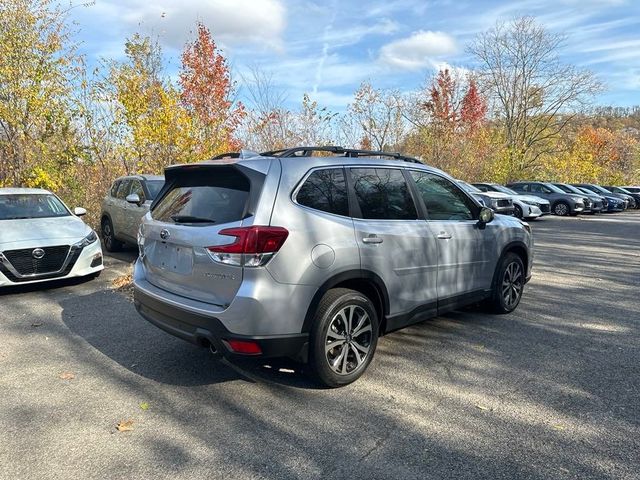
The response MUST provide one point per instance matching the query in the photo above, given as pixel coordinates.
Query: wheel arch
(364, 281)
(519, 248)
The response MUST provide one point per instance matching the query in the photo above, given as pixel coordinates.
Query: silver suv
(126, 202)
(286, 254)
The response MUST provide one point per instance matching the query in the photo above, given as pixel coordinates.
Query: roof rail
(242, 154)
(227, 155)
(341, 151)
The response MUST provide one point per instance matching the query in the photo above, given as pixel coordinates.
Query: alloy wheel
(561, 209)
(517, 211)
(348, 340)
(106, 233)
(512, 283)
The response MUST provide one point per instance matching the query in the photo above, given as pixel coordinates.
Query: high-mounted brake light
(253, 246)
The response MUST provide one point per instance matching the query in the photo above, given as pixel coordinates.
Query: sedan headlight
(530, 202)
(86, 241)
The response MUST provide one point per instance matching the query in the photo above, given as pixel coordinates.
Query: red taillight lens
(244, 347)
(256, 239)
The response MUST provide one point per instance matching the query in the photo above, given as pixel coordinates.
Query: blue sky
(328, 48)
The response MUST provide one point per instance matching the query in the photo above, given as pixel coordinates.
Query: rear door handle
(372, 239)
(444, 236)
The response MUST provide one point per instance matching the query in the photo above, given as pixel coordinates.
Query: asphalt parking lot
(550, 391)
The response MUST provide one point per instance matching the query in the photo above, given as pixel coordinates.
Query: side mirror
(79, 211)
(133, 198)
(486, 216)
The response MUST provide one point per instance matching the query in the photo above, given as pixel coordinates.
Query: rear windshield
(23, 206)
(219, 196)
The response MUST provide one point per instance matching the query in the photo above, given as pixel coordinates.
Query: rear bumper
(205, 330)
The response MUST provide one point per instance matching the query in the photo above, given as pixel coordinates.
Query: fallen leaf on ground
(124, 284)
(125, 426)
(559, 427)
(36, 324)
(481, 407)
(122, 281)
(144, 406)
(67, 375)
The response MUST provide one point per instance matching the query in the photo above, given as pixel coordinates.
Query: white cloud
(232, 22)
(418, 50)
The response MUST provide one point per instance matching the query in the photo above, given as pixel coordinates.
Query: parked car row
(532, 199)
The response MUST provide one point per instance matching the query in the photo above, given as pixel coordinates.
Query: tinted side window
(123, 189)
(154, 186)
(535, 188)
(114, 188)
(325, 190)
(443, 199)
(136, 187)
(383, 193)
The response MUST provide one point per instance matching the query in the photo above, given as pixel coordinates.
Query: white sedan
(41, 239)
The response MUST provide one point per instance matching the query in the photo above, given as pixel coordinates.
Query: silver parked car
(285, 254)
(125, 204)
(499, 202)
(528, 207)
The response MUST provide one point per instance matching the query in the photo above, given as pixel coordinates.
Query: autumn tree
(448, 123)
(442, 104)
(154, 129)
(269, 123)
(38, 67)
(378, 116)
(535, 93)
(208, 95)
(473, 108)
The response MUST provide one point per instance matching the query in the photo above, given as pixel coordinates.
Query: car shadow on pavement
(48, 285)
(109, 322)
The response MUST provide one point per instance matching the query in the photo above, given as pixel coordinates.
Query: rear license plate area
(173, 258)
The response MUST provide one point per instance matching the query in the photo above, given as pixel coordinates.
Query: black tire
(561, 208)
(331, 310)
(517, 212)
(502, 298)
(110, 242)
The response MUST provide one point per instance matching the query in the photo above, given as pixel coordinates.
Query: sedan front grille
(545, 208)
(24, 261)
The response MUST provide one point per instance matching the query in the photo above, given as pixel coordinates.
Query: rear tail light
(253, 246)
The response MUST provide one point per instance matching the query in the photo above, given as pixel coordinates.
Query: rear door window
(154, 187)
(325, 190)
(383, 194)
(219, 196)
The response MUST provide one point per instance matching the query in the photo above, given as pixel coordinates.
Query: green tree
(38, 68)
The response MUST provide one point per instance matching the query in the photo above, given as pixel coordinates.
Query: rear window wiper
(191, 219)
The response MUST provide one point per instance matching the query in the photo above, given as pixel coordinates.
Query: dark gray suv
(286, 254)
(562, 203)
